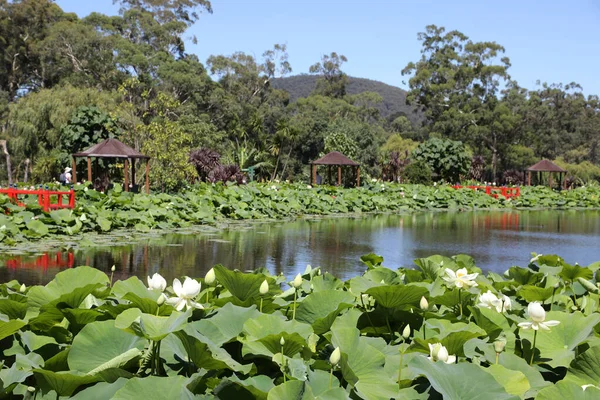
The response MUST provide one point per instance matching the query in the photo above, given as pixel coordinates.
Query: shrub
(418, 172)
(448, 159)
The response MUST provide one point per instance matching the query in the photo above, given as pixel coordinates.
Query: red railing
(494, 191)
(44, 197)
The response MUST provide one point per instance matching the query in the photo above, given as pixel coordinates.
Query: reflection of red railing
(44, 197)
(494, 191)
(44, 261)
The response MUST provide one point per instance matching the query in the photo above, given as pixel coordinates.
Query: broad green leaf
(34, 342)
(151, 327)
(534, 293)
(256, 387)
(13, 309)
(103, 223)
(557, 346)
(101, 390)
(154, 387)
(10, 327)
(136, 286)
(321, 308)
(64, 283)
(242, 286)
(226, 324)
(459, 381)
(38, 227)
(397, 295)
(564, 390)
(572, 272)
(514, 382)
(585, 369)
(63, 383)
(100, 345)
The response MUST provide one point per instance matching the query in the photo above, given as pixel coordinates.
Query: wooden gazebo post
(89, 162)
(147, 176)
(126, 173)
(74, 170)
(339, 175)
(313, 174)
(358, 176)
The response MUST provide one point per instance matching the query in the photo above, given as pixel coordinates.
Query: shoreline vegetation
(531, 332)
(207, 205)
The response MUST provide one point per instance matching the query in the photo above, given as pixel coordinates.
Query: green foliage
(88, 126)
(339, 141)
(121, 342)
(447, 158)
(582, 173)
(418, 172)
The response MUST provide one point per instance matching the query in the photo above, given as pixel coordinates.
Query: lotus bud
(297, 282)
(264, 288)
(443, 354)
(23, 288)
(210, 277)
(113, 269)
(424, 304)
(335, 356)
(536, 312)
(406, 332)
(434, 349)
(31, 389)
(161, 299)
(499, 345)
(282, 341)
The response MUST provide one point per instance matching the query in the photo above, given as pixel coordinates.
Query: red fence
(45, 197)
(494, 191)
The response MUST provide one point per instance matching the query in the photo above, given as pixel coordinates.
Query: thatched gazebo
(335, 158)
(113, 148)
(546, 166)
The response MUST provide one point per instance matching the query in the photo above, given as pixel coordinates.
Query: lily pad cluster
(441, 329)
(211, 204)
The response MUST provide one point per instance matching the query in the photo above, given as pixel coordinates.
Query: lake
(496, 239)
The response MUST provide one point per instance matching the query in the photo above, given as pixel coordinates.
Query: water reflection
(496, 240)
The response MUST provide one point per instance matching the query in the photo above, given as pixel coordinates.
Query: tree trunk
(27, 161)
(8, 166)
(494, 149)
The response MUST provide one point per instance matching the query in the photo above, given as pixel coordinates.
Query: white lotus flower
(335, 356)
(157, 282)
(538, 317)
(297, 282)
(439, 352)
(460, 278)
(424, 304)
(210, 277)
(185, 294)
(264, 288)
(489, 300)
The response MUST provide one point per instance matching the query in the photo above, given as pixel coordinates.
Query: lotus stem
(207, 296)
(460, 301)
(282, 363)
(261, 301)
(295, 297)
(400, 369)
(387, 322)
(497, 357)
(157, 357)
(533, 348)
(330, 377)
(369, 317)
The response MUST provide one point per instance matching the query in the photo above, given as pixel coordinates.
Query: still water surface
(497, 240)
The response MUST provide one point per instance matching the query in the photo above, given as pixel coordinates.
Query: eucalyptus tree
(332, 80)
(458, 83)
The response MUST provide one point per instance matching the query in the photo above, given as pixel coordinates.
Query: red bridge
(45, 197)
(494, 191)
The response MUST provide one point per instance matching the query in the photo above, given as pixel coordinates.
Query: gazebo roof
(546, 166)
(334, 158)
(111, 148)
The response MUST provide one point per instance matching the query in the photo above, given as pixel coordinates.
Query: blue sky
(551, 41)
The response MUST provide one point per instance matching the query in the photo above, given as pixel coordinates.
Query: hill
(394, 98)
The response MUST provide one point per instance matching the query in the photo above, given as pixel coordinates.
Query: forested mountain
(394, 98)
(68, 82)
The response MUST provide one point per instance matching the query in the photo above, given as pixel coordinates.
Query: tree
(332, 81)
(448, 159)
(457, 82)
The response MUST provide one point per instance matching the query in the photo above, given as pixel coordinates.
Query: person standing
(68, 176)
